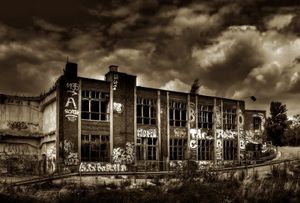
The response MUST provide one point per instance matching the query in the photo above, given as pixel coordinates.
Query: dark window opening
(229, 150)
(146, 111)
(177, 114)
(178, 149)
(229, 119)
(256, 123)
(95, 105)
(95, 148)
(146, 149)
(205, 149)
(205, 117)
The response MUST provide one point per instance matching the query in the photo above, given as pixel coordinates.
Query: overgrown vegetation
(281, 185)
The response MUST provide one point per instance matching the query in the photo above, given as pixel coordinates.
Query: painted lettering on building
(71, 109)
(197, 134)
(71, 158)
(219, 149)
(101, 167)
(151, 132)
(124, 156)
(218, 117)
(118, 107)
(15, 149)
(115, 81)
(179, 133)
(226, 134)
(192, 115)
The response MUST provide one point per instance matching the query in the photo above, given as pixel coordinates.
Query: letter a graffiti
(71, 101)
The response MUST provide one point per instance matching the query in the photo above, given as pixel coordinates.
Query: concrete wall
(20, 116)
(49, 118)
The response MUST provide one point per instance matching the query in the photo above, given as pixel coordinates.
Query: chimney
(71, 70)
(113, 68)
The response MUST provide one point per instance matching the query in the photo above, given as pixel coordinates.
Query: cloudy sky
(236, 48)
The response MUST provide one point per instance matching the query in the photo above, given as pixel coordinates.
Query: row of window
(95, 107)
(96, 148)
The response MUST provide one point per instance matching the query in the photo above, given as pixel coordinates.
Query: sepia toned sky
(236, 48)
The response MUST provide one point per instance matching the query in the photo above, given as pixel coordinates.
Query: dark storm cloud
(236, 48)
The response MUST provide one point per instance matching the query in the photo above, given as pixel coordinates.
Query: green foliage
(277, 123)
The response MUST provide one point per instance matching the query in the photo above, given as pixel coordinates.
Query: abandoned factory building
(89, 125)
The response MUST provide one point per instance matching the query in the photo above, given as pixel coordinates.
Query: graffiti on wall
(179, 133)
(71, 110)
(151, 132)
(101, 167)
(15, 149)
(200, 164)
(17, 125)
(115, 81)
(118, 107)
(219, 149)
(51, 159)
(20, 125)
(241, 119)
(71, 158)
(226, 134)
(197, 134)
(124, 156)
(218, 117)
(192, 115)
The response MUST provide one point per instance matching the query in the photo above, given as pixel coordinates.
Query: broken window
(146, 111)
(94, 105)
(177, 114)
(205, 117)
(229, 119)
(95, 148)
(229, 149)
(205, 149)
(177, 149)
(256, 123)
(146, 148)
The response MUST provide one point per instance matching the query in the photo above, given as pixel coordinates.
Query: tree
(292, 134)
(277, 123)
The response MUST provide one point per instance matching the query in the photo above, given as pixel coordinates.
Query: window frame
(256, 123)
(230, 150)
(178, 108)
(205, 116)
(91, 97)
(92, 145)
(205, 149)
(177, 149)
(144, 146)
(229, 118)
(143, 104)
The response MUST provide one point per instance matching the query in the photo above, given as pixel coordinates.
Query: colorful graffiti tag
(101, 167)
